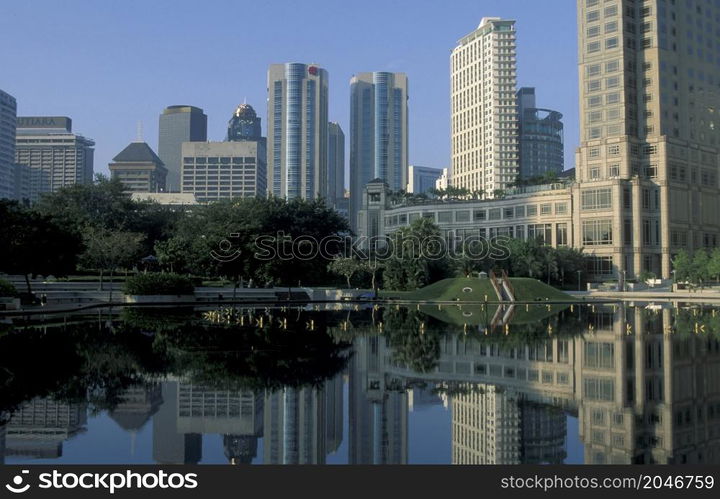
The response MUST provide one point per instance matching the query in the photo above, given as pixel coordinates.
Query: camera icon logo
(17, 486)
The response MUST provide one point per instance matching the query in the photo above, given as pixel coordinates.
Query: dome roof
(245, 111)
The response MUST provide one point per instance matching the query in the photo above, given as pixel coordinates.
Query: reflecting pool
(537, 383)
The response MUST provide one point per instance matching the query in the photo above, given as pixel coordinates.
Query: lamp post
(624, 274)
(578, 273)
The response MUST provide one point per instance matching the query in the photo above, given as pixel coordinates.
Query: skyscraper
(378, 133)
(422, 178)
(541, 137)
(244, 124)
(224, 170)
(647, 164)
(139, 168)
(297, 130)
(336, 165)
(8, 112)
(55, 156)
(484, 141)
(179, 124)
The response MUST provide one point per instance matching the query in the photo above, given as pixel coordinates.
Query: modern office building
(484, 121)
(244, 124)
(224, 170)
(179, 124)
(55, 156)
(378, 133)
(421, 179)
(444, 180)
(647, 164)
(139, 168)
(8, 118)
(541, 138)
(172, 445)
(39, 427)
(297, 141)
(485, 426)
(336, 165)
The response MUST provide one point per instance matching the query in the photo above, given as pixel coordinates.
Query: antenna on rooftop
(139, 132)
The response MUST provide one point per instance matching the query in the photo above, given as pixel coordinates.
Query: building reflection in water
(643, 384)
(38, 429)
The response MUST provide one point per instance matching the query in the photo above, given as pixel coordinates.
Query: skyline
(155, 63)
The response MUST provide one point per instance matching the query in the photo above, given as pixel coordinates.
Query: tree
(32, 244)
(548, 257)
(699, 269)
(346, 267)
(682, 265)
(419, 257)
(103, 203)
(713, 266)
(108, 250)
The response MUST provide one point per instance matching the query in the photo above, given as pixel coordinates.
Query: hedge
(158, 283)
(7, 289)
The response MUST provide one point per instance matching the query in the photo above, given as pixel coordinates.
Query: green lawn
(479, 290)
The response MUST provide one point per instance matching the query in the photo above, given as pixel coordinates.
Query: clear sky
(111, 64)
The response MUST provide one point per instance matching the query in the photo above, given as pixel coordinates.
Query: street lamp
(624, 274)
(578, 273)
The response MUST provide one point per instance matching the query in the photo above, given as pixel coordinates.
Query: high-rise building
(55, 156)
(139, 168)
(297, 141)
(484, 122)
(171, 445)
(336, 165)
(8, 117)
(244, 124)
(378, 133)
(647, 164)
(179, 124)
(421, 178)
(224, 170)
(541, 138)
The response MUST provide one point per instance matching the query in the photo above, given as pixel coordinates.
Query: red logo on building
(313, 70)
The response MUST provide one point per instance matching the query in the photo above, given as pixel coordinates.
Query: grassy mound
(478, 290)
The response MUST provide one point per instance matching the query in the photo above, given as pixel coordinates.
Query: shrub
(158, 283)
(7, 289)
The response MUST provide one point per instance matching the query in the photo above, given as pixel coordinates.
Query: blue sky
(110, 64)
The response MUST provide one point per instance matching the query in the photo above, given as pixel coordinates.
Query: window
(494, 214)
(614, 170)
(532, 210)
(599, 389)
(593, 31)
(519, 211)
(600, 265)
(545, 209)
(561, 235)
(613, 150)
(592, 70)
(611, 27)
(596, 199)
(595, 101)
(560, 208)
(612, 66)
(479, 215)
(594, 85)
(612, 82)
(611, 11)
(600, 355)
(593, 47)
(611, 43)
(595, 172)
(597, 232)
(593, 15)
(612, 98)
